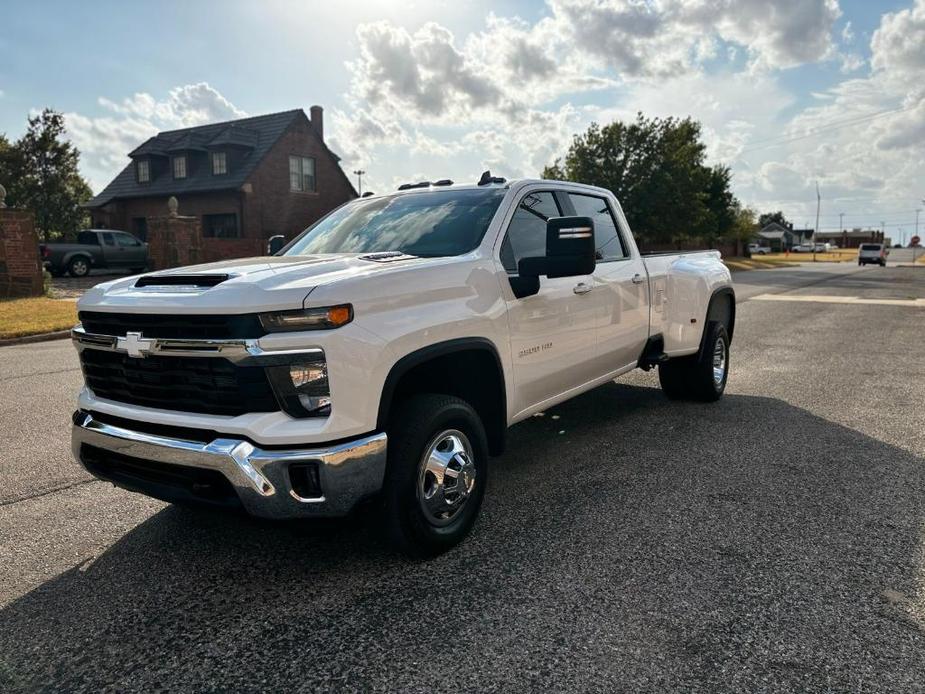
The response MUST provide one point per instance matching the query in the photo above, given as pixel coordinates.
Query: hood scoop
(198, 281)
(386, 256)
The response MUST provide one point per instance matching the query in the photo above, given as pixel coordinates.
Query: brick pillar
(174, 241)
(20, 265)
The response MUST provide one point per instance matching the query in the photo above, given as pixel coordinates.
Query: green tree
(9, 164)
(655, 167)
(744, 227)
(43, 176)
(772, 218)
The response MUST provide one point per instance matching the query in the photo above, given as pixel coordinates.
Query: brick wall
(174, 242)
(119, 214)
(272, 208)
(20, 265)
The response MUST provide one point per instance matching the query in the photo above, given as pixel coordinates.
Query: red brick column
(174, 241)
(20, 265)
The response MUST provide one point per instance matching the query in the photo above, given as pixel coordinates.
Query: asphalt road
(771, 541)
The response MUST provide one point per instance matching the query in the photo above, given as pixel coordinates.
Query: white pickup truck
(385, 351)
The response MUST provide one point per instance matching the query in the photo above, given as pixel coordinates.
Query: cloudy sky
(789, 92)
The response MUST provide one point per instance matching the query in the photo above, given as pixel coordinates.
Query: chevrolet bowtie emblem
(135, 344)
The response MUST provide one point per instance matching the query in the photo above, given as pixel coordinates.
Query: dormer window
(219, 164)
(143, 171)
(179, 166)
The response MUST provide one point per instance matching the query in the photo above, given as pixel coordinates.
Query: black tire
(692, 378)
(79, 266)
(414, 428)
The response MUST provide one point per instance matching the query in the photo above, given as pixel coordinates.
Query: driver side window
(526, 234)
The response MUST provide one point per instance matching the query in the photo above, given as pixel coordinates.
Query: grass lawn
(836, 255)
(772, 260)
(756, 262)
(20, 317)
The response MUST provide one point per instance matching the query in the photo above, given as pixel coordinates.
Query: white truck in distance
(385, 351)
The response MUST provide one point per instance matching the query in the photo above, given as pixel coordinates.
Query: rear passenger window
(526, 234)
(606, 238)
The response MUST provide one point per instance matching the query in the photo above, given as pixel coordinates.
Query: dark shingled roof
(254, 135)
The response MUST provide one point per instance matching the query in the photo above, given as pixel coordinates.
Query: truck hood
(252, 284)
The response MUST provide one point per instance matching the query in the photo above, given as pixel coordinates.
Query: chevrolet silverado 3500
(385, 351)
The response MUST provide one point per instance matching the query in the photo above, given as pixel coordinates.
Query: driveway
(770, 541)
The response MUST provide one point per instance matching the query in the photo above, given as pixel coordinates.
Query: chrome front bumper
(347, 472)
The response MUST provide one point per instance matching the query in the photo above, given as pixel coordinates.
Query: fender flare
(720, 291)
(425, 354)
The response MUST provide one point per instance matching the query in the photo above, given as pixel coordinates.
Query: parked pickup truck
(384, 352)
(95, 248)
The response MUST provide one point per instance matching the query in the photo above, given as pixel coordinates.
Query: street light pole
(359, 174)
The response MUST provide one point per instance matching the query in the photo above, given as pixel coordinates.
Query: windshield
(428, 224)
(870, 247)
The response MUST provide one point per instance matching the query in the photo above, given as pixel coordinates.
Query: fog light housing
(302, 388)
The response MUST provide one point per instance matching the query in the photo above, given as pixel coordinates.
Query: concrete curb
(25, 339)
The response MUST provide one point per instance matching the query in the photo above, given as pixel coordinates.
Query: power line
(784, 139)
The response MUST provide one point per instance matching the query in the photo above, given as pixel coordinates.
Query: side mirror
(569, 250)
(275, 244)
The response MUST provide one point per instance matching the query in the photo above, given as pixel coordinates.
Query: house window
(301, 174)
(219, 164)
(143, 171)
(220, 226)
(179, 167)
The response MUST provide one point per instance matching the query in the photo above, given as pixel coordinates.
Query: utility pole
(915, 249)
(816, 232)
(359, 174)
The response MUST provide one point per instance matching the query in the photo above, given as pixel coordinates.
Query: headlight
(302, 388)
(307, 319)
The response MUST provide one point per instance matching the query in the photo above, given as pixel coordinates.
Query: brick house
(247, 179)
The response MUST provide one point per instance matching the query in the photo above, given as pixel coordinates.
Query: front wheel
(699, 376)
(436, 474)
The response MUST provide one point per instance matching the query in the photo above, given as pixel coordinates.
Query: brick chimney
(317, 119)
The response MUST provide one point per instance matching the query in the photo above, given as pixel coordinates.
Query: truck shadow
(655, 542)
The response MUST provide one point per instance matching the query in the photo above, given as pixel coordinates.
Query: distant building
(246, 179)
(852, 238)
(781, 238)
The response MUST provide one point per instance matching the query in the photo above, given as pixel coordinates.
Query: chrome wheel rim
(80, 267)
(719, 362)
(446, 477)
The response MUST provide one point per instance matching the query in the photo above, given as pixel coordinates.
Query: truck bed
(680, 287)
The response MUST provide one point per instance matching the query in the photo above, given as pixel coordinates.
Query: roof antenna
(488, 178)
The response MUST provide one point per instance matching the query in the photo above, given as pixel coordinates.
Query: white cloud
(104, 141)
(897, 46)
(191, 104)
(665, 37)
(847, 33)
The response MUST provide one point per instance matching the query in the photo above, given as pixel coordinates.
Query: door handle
(582, 288)
(638, 279)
